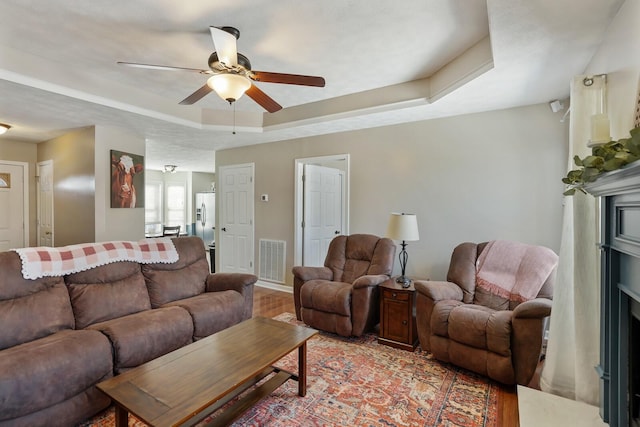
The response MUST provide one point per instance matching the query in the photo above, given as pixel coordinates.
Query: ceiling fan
(231, 73)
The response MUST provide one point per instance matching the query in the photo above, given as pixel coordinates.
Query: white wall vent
(272, 258)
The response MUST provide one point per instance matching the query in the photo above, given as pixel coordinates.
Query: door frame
(299, 197)
(39, 202)
(25, 197)
(220, 204)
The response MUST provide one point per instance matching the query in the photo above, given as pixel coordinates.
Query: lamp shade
(229, 87)
(403, 226)
(4, 128)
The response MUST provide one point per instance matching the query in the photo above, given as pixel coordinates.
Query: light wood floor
(270, 303)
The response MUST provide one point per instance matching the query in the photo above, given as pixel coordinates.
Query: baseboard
(274, 286)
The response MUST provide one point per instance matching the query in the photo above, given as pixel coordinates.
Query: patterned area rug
(358, 382)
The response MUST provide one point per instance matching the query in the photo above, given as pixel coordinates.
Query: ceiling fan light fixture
(4, 128)
(169, 168)
(229, 87)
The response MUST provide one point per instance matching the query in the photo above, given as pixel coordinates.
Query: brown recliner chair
(475, 324)
(342, 296)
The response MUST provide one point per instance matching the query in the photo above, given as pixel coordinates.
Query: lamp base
(406, 282)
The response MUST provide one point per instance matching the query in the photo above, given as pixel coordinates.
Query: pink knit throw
(513, 270)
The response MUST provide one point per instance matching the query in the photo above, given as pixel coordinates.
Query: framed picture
(5, 180)
(127, 180)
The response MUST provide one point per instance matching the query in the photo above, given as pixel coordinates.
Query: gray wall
(477, 177)
(82, 177)
(115, 223)
(74, 188)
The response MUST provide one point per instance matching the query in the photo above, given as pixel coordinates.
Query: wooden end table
(398, 315)
(184, 386)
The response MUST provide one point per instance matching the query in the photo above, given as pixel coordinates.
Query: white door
(322, 211)
(235, 227)
(14, 212)
(45, 203)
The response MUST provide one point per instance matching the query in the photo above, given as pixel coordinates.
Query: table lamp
(403, 227)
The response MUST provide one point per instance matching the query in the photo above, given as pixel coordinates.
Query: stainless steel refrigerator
(206, 217)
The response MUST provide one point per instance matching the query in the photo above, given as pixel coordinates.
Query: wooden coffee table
(185, 386)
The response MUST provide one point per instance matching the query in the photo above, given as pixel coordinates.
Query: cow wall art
(127, 180)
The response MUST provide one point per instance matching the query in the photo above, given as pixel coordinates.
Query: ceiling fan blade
(290, 79)
(196, 96)
(225, 45)
(263, 99)
(163, 67)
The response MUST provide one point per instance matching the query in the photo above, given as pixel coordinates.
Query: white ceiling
(384, 62)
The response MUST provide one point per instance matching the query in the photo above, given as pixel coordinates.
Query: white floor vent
(272, 257)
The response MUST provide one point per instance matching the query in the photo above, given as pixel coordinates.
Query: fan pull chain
(234, 118)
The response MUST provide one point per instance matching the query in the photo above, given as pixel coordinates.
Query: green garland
(604, 158)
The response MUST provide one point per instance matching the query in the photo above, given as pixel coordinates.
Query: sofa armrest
(438, 291)
(526, 343)
(229, 281)
(369, 280)
(312, 273)
(239, 282)
(365, 302)
(535, 308)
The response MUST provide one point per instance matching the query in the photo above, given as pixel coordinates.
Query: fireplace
(619, 367)
(634, 365)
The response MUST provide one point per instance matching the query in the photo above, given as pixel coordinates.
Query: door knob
(224, 228)
(336, 232)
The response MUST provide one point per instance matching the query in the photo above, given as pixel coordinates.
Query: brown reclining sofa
(60, 336)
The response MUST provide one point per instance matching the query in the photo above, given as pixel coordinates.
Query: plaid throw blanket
(46, 261)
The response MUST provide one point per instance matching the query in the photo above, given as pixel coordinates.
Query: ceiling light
(169, 168)
(4, 128)
(228, 86)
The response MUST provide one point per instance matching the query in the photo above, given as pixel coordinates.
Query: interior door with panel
(235, 228)
(13, 208)
(311, 225)
(322, 211)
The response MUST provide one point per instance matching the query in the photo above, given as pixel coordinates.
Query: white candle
(600, 128)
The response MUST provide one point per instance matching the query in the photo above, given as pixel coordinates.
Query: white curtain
(574, 331)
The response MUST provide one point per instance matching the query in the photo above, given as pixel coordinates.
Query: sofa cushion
(330, 297)
(43, 302)
(462, 268)
(35, 316)
(107, 292)
(212, 311)
(330, 322)
(141, 337)
(350, 257)
(484, 362)
(184, 278)
(481, 327)
(45, 372)
(440, 316)
(70, 412)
